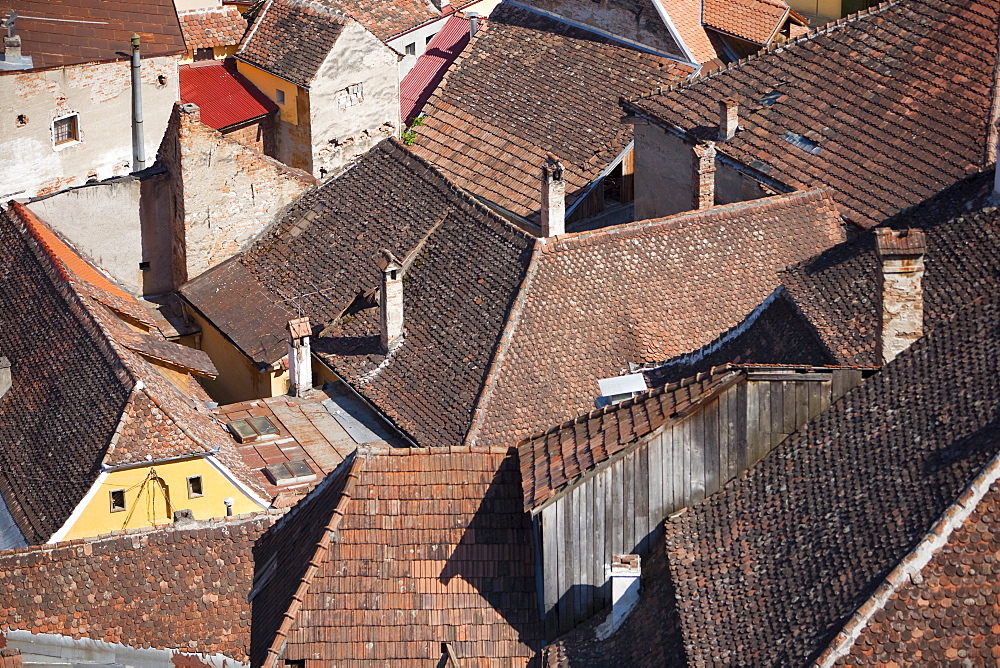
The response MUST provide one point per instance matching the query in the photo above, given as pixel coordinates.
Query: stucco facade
(98, 97)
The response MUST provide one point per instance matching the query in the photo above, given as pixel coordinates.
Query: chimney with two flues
(704, 175)
(729, 118)
(299, 357)
(391, 301)
(553, 197)
(902, 256)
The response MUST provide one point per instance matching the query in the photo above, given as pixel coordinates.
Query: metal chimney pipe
(473, 23)
(138, 145)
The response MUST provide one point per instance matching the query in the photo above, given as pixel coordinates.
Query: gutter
(165, 460)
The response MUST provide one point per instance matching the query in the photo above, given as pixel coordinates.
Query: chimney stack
(729, 118)
(625, 572)
(704, 175)
(553, 198)
(12, 59)
(391, 301)
(299, 357)
(902, 255)
(6, 380)
(138, 143)
(473, 23)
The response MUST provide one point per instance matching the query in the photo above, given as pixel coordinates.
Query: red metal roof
(224, 95)
(418, 84)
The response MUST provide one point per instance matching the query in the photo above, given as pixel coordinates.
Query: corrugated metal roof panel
(418, 84)
(224, 95)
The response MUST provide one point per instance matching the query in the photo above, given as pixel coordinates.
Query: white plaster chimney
(729, 118)
(6, 380)
(391, 301)
(625, 575)
(902, 256)
(704, 175)
(553, 198)
(299, 357)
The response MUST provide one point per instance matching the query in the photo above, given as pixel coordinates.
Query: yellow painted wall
(218, 53)
(146, 502)
(269, 84)
(239, 379)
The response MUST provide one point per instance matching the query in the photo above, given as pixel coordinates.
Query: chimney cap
(900, 243)
(387, 261)
(626, 564)
(299, 328)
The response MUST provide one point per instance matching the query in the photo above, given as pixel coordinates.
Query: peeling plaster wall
(224, 193)
(633, 20)
(341, 133)
(100, 93)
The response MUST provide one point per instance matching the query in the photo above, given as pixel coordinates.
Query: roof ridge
(322, 546)
(772, 48)
(587, 237)
(383, 450)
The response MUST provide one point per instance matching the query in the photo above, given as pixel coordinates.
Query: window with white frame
(66, 130)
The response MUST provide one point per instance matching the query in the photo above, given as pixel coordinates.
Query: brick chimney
(553, 198)
(6, 380)
(391, 301)
(704, 175)
(299, 357)
(902, 255)
(729, 118)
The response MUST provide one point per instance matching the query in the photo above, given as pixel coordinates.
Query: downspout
(138, 146)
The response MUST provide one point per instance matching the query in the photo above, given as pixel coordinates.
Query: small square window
(117, 500)
(194, 487)
(66, 130)
(279, 96)
(411, 49)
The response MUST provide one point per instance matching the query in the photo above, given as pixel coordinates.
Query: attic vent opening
(251, 429)
(290, 473)
(804, 143)
(770, 98)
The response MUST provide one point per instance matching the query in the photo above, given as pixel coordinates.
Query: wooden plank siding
(619, 507)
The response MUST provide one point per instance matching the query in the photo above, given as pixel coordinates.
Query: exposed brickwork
(528, 86)
(169, 588)
(704, 176)
(882, 146)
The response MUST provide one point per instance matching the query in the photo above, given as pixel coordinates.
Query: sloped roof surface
(753, 20)
(386, 19)
(553, 458)
(527, 86)
(432, 547)
(224, 96)
(894, 102)
(292, 38)
(639, 292)
(213, 26)
(75, 383)
(946, 614)
(839, 291)
(167, 588)
(82, 31)
(423, 79)
(768, 569)
(686, 17)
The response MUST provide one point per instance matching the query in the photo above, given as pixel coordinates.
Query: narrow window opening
(279, 96)
(411, 49)
(195, 488)
(117, 500)
(143, 266)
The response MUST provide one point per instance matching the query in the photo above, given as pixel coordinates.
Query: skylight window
(290, 473)
(251, 429)
(804, 143)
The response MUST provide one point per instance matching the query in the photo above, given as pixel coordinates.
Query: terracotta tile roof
(81, 397)
(418, 84)
(431, 546)
(635, 293)
(388, 19)
(912, 127)
(946, 611)
(84, 31)
(174, 588)
(224, 96)
(291, 39)
(528, 86)
(753, 20)
(704, 46)
(213, 26)
(551, 459)
(838, 291)
(768, 570)
(453, 304)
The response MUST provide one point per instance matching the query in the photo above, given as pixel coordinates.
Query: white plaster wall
(419, 37)
(338, 135)
(101, 94)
